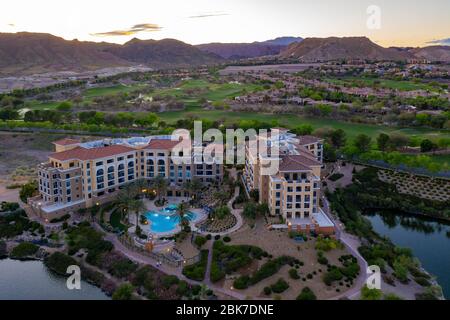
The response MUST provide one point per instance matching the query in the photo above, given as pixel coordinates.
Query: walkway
(136, 257)
(352, 243)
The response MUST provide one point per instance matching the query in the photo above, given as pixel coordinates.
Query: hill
(433, 53)
(333, 48)
(29, 53)
(248, 50)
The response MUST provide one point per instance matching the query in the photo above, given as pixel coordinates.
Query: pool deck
(150, 205)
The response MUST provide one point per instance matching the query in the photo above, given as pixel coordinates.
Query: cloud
(444, 42)
(142, 27)
(208, 15)
(11, 24)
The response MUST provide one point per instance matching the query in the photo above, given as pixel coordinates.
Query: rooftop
(66, 142)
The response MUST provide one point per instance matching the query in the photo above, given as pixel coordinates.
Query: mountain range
(359, 48)
(29, 53)
(236, 51)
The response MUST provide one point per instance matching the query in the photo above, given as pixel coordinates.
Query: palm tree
(141, 186)
(138, 207)
(183, 215)
(194, 187)
(125, 199)
(160, 184)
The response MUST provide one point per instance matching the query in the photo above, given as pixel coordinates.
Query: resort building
(80, 175)
(293, 192)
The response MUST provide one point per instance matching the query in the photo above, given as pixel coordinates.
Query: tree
(306, 294)
(383, 141)
(221, 212)
(302, 130)
(123, 292)
(183, 214)
(193, 187)
(160, 184)
(138, 207)
(338, 138)
(370, 294)
(398, 140)
(427, 145)
(64, 106)
(254, 194)
(250, 210)
(28, 190)
(362, 143)
(125, 199)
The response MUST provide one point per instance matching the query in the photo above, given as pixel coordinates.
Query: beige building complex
(293, 192)
(81, 175)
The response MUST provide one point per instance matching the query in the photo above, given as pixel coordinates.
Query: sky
(397, 22)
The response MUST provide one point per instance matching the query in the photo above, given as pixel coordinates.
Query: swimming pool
(165, 220)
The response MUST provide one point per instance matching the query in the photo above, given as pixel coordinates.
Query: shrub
(280, 286)
(333, 275)
(294, 274)
(58, 262)
(169, 281)
(217, 237)
(208, 237)
(336, 176)
(321, 258)
(197, 270)
(267, 291)
(200, 241)
(23, 250)
(123, 292)
(370, 294)
(226, 239)
(306, 294)
(242, 282)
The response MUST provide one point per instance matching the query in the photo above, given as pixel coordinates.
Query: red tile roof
(66, 142)
(91, 154)
(307, 139)
(162, 144)
(297, 162)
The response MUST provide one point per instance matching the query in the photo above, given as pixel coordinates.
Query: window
(99, 163)
(110, 161)
(130, 156)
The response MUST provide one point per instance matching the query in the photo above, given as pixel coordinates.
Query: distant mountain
(333, 48)
(28, 53)
(39, 52)
(283, 41)
(433, 53)
(248, 50)
(158, 53)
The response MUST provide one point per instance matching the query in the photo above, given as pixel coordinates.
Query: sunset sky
(403, 22)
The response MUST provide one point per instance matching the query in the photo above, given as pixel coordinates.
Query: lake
(428, 239)
(31, 280)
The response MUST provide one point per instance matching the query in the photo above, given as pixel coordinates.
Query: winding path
(351, 243)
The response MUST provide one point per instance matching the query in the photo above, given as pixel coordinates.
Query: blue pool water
(165, 220)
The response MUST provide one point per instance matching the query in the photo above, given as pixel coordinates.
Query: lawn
(402, 85)
(214, 92)
(292, 121)
(105, 91)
